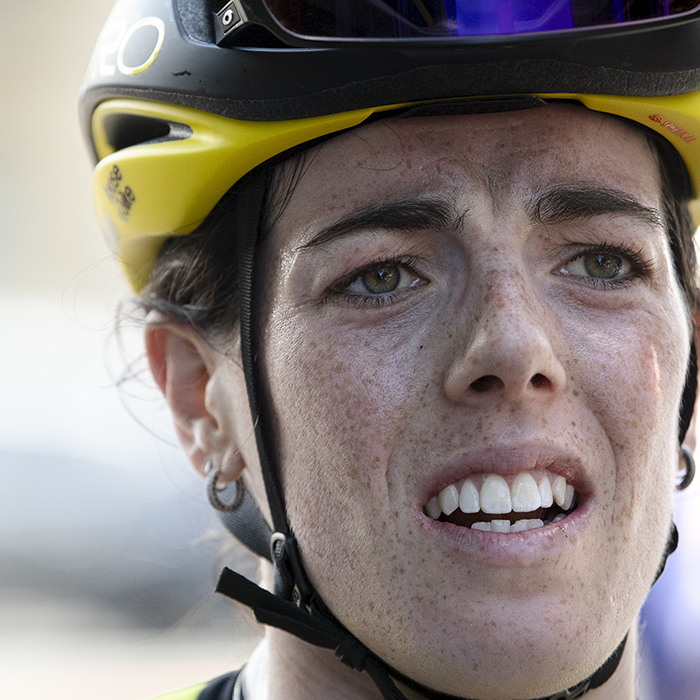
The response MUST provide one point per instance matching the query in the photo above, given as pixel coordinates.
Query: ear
(205, 391)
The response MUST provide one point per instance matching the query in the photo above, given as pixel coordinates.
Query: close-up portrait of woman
(418, 285)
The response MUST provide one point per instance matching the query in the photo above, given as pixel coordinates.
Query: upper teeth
(524, 495)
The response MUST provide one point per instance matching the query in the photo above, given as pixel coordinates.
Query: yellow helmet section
(151, 191)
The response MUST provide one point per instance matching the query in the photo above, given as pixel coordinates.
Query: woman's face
(485, 300)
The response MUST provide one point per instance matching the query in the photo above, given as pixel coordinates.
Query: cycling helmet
(184, 98)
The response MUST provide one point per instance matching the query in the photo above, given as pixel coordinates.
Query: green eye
(383, 282)
(602, 266)
(381, 279)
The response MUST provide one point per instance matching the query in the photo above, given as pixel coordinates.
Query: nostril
(539, 380)
(488, 381)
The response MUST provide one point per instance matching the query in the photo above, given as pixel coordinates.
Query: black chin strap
(316, 626)
(690, 391)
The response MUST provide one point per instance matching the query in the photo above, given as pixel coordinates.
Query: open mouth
(489, 503)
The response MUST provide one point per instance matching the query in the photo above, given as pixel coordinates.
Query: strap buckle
(290, 580)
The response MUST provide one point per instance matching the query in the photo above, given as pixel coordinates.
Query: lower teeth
(505, 526)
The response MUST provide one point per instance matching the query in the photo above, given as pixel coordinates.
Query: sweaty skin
(532, 323)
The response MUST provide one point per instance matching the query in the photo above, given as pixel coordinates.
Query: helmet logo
(154, 22)
(672, 127)
(123, 198)
(129, 48)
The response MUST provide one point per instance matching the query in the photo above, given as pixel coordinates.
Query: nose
(509, 348)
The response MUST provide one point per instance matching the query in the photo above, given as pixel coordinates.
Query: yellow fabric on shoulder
(190, 693)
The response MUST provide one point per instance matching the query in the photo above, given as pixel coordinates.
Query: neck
(622, 684)
(302, 671)
(289, 669)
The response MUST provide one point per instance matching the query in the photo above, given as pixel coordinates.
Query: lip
(515, 548)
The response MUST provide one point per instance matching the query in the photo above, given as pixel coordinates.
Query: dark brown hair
(676, 192)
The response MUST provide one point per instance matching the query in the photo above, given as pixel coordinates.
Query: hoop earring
(216, 492)
(689, 469)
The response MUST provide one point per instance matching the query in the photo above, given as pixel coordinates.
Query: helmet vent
(125, 130)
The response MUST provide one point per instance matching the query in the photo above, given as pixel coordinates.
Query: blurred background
(108, 551)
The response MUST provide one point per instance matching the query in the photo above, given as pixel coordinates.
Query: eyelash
(641, 266)
(338, 289)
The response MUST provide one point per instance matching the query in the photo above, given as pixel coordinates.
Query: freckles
(655, 387)
(655, 372)
(641, 430)
(349, 404)
(629, 383)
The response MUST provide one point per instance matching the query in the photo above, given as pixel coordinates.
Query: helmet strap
(316, 625)
(291, 582)
(689, 393)
(250, 207)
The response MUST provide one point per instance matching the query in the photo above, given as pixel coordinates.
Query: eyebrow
(581, 202)
(408, 214)
(557, 205)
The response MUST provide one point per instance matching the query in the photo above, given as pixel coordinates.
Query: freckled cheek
(645, 453)
(340, 407)
(634, 393)
(340, 413)
(628, 380)
(630, 370)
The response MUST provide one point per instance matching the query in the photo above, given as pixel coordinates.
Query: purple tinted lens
(396, 19)
(512, 18)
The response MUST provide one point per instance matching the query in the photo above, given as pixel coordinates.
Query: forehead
(505, 158)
